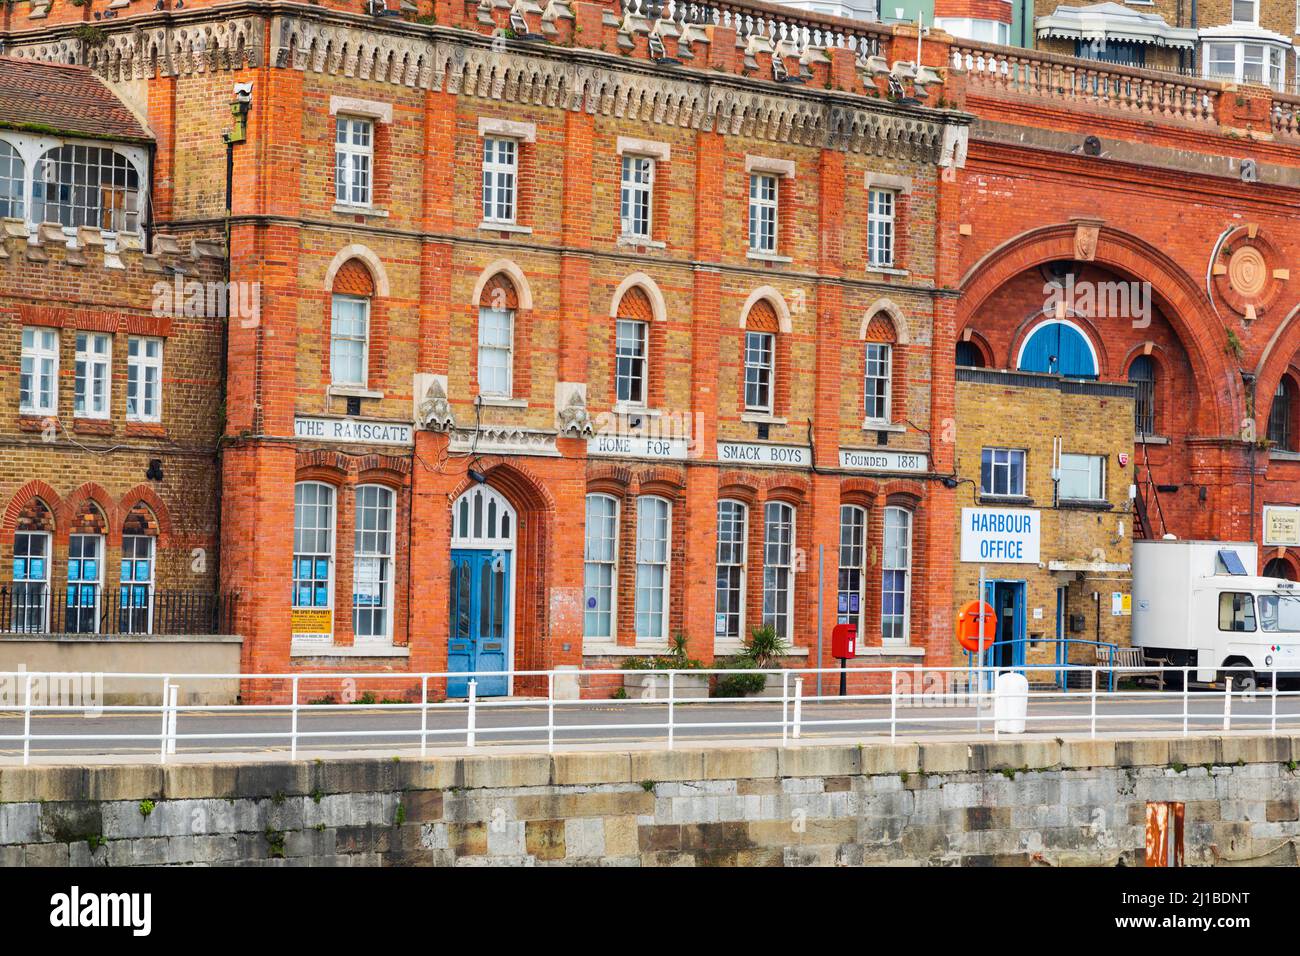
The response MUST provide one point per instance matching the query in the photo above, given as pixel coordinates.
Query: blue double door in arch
(480, 622)
(1059, 348)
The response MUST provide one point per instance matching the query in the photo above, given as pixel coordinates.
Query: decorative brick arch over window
(35, 515)
(504, 288)
(356, 279)
(141, 520)
(636, 303)
(353, 278)
(142, 504)
(763, 315)
(884, 325)
(89, 519)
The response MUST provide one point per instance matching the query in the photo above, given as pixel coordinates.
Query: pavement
(505, 723)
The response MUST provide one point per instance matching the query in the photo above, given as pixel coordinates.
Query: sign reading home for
(999, 535)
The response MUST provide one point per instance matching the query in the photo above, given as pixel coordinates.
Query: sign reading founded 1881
(864, 459)
(999, 535)
(353, 431)
(747, 453)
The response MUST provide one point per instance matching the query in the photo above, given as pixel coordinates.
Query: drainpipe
(1248, 379)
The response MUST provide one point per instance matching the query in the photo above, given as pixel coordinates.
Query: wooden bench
(1126, 657)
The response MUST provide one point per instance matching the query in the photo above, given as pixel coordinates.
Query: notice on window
(313, 624)
(1281, 526)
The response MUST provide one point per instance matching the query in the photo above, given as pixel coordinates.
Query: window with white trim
(1246, 62)
(94, 365)
(653, 529)
(600, 567)
(880, 227)
(729, 611)
(878, 381)
(1082, 478)
(763, 194)
(631, 341)
(778, 567)
(85, 578)
(354, 155)
(94, 186)
(1245, 11)
(372, 565)
(1002, 471)
(500, 178)
(853, 538)
(313, 545)
(349, 340)
(636, 196)
(38, 379)
(896, 577)
(760, 350)
(13, 182)
(31, 599)
(496, 343)
(135, 611)
(144, 357)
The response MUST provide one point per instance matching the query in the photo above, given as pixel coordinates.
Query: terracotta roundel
(1246, 277)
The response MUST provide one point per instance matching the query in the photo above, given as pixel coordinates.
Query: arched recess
(887, 308)
(145, 494)
(1177, 295)
(1278, 356)
(45, 504)
(366, 255)
(517, 279)
(776, 300)
(639, 280)
(1060, 346)
(74, 508)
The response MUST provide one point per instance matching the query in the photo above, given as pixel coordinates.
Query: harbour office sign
(1000, 535)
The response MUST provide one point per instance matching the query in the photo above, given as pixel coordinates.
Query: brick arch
(981, 345)
(23, 497)
(144, 494)
(323, 464)
(738, 486)
(791, 489)
(904, 493)
(1183, 304)
(388, 470)
(353, 278)
(1286, 555)
(608, 478)
(351, 254)
(522, 487)
(1278, 356)
(1082, 323)
(775, 302)
(639, 292)
(886, 318)
(668, 481)
(517, 281)
(859, 491)
(91, 492)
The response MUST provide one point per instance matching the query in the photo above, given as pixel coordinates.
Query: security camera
(244, 92)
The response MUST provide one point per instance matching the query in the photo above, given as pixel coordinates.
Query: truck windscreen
(1279, 612)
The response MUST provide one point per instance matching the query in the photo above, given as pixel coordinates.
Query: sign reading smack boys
(999, 535)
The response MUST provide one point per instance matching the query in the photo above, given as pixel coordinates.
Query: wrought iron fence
(38, 608)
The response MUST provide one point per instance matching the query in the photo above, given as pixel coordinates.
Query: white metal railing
(900, 702)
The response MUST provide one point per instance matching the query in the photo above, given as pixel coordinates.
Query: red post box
(844, 641)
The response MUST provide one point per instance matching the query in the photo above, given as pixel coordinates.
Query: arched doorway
(1061, 348)
(1279, 568)
(481, 593)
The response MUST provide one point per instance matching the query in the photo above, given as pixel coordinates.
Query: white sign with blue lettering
(1000, 535)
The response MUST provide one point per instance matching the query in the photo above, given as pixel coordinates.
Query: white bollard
(1010, 703)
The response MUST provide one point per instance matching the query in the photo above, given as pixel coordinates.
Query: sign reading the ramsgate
(747, 453)
(861, 459)
(1281, 526)
(637, 446)
(351, 430)
(999, 535)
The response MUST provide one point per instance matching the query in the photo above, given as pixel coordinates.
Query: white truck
(1199, 604)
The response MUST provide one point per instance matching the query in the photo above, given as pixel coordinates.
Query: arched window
(878, 369)
(1279, 568)
(313, 561)
(1142, 374)
(896, 577)
(91, 186)
(1060, 348)
(354, 287)
(600, 568)
(853, 539)
(482, 518)
(653, 551)
(1279, 415)
(136, 571)
(778, 567)
(729, 607)
(12, 178)
(496, 337)
(372, 569)
(632, 348)
(33, 534)
(761, 328)
(969, 355)
(85, 570)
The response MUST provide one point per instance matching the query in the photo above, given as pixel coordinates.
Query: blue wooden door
(1058, 348)
(1008, 601)
(480, 622)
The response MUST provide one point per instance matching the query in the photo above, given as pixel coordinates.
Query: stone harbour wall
(1053, 803)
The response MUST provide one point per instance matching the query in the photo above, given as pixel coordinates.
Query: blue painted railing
(1060, 667)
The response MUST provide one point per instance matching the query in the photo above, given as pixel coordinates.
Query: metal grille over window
(1142, 374)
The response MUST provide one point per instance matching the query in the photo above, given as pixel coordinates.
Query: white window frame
(764, 212)
(852, 566)
(385, 581)
(1001, 461)
(1088, 469)
(94, 375)
(349, 339)
(29, 622)
(769, 367)
(81, 580)
(648, 543)
(890, 564)
(604, 566)
(142, 364)
(1272, 64)
(882, 213)
(507, 350)
(636, 196)
(500, 179)
(1254, 11)
(634, 349)
(126, 603)
(778, 558)
(733, 563)
(877, 367)
(40, 370)
(330, 556)
(354, 160)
